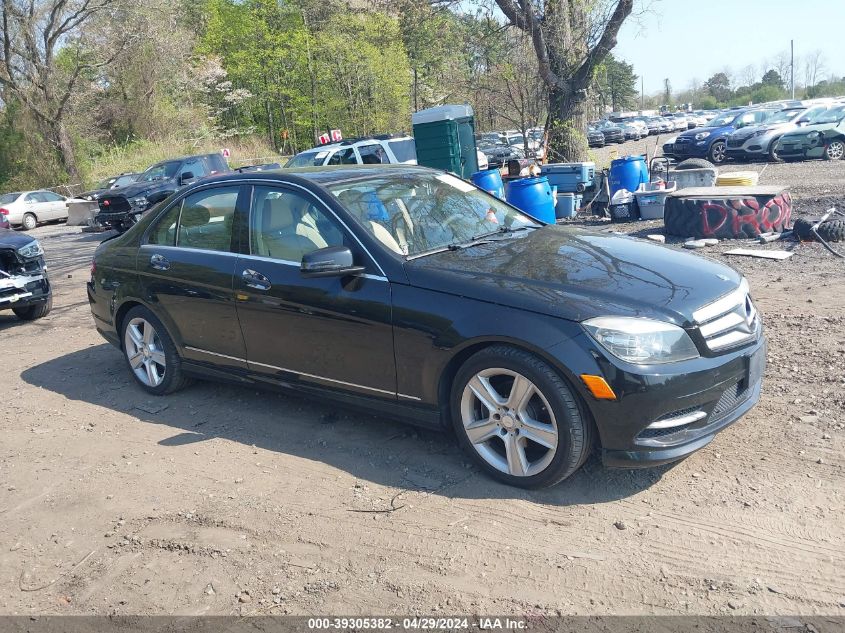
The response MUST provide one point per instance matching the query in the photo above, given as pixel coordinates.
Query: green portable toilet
(445, 139)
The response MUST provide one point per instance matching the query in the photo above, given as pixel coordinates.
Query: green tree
(615, 84)
(719, 87)
(772, 78)
(570, 39)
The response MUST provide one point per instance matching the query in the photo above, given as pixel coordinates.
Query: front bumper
(23, 291)
(714, 394)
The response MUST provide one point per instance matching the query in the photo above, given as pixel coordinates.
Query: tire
(773, 154)
(158, 370)
(549, 414)
(835, 150)
(830, 231)
(694, 163)
(29, 221)
(716, 153)
(33, 312)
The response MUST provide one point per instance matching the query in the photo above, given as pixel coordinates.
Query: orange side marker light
(598, 387)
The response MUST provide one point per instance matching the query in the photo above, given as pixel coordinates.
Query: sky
(688, 39)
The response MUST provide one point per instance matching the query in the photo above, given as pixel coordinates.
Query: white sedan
(28, 208)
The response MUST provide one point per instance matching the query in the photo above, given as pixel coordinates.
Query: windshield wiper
(502, 230)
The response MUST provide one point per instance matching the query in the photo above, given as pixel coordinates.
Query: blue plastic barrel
(491, 181)
(628, 173)
(534, 196)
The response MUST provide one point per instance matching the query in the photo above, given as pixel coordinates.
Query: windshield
(313, 158)
(833, 115)
(784, 116)
(419, 213)
(8, 198)
(516, 139)
(122, 181)
(722, 120)
(160, 171)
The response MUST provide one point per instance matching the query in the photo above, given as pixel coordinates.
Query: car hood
(13, 239)
(576, 275)
(135, 189)
(749, 131)
(714, 131)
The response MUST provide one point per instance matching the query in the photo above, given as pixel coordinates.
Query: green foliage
(708, 102)
(615, 85)
(718, 87)
(772, 78)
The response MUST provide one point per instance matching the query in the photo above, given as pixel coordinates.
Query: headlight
(141, 201)
(641, 341)
(701, 136)
(33, 249)
(814, 134)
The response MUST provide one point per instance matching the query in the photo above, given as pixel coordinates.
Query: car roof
(323, 175)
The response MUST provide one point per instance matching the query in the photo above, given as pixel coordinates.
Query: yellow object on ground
(737, 179)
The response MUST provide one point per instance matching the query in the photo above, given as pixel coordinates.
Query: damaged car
(24, 287)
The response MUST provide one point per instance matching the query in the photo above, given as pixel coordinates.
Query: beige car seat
(283, 233)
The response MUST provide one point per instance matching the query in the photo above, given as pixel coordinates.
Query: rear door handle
(159, 262)
(255, 279)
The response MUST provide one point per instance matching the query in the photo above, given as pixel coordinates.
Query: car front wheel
(518, 418)
(717, 154)
(150, 353)
(835, 150)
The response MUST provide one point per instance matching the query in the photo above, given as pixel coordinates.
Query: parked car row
(775, 133)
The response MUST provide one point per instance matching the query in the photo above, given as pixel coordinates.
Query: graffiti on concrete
(731, 217)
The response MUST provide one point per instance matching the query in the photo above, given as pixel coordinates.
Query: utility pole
(642, 93)
(792, 65)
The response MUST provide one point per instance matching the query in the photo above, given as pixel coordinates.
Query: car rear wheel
(835, 150)
(29, 221)
(518, 418)
(717, 153)
(150, 353)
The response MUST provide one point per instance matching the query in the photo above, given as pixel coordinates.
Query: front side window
(414, 213)
(287, 224)
(49, 196)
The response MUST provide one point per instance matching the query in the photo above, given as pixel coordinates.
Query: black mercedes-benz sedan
(411, 292)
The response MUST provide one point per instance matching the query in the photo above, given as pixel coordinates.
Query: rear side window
(194, 166)
(404, 150)
(164, 231)
(202, 220)
(372, 154)
(343, 157)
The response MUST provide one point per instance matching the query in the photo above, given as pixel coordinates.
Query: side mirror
(185, 177)
(332, 261)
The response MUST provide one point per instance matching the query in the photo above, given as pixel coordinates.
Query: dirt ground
(227, 500)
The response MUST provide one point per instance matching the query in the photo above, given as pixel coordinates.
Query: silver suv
(371, 150)
(760, 141)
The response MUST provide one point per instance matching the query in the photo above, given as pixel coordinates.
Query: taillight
(4, 212)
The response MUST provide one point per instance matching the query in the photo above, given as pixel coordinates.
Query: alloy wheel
(145, 352)
(509, 422)
(29, 222)
(836, 150)
(717, 152)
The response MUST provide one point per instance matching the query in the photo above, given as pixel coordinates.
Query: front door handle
(255, 279)
(159, 262)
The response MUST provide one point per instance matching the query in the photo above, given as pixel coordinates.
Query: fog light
(598, 387)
